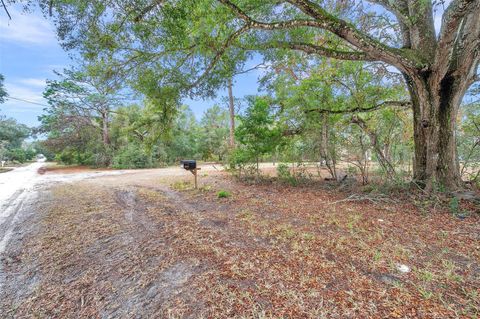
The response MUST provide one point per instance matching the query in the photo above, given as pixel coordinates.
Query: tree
(469, 141)
(315, 98)
(87, 96)
(82, 101)
(213, 138)
(257, 133)
(208, 39)
(12, 132)
(3, 93)
(12, 135)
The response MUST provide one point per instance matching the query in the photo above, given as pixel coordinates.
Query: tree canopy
(3, 93)
(194, 47)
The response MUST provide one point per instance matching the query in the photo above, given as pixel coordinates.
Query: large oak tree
(199, 44)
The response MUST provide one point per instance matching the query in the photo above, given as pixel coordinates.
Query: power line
(26, 101)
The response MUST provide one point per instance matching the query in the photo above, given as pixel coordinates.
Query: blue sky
(29, 52)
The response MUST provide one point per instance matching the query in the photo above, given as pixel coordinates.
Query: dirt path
(145, 245)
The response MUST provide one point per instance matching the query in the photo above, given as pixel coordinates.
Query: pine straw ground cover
(145, 247)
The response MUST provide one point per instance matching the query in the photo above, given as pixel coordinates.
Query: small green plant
(454, 205)
(455, 208)
(224, 194)
(426, 275)
(377, 256)
(284, 174)
(426, 294)
(308, 236)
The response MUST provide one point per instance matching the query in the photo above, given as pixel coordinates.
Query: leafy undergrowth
(130, 247)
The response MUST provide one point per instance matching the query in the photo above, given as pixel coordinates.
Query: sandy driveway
(15, 187)
(21, 185)
(145, 244)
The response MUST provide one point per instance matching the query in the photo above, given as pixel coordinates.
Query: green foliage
(132, 156)
(12, 132)
(468, 142)
(284, 174)
(20, 155)
(257, 134)
(3, 93)
(12, 137)
(70, 156)
(213, 134)
(223, 194)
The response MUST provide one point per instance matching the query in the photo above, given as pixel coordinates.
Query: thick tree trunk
(231, 107)
(435, 106)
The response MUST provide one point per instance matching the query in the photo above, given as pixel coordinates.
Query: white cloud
(25, 95)
(40, 83)
(26, 28)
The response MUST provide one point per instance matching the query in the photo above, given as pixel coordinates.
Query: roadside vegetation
(152, 245)
(13, 148)
(347, 187)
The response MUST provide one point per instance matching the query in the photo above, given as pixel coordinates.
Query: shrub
(17, 154)
(283, 171)
(284, 174)
(223, 194)
(132, 156)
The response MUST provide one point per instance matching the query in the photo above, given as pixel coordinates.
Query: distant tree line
(12, 136)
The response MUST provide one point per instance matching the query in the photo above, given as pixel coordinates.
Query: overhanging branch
(402, 104)
(373, 49)
(320, 50)
(219, 54)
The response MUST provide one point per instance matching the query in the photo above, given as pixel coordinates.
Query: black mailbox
(189, 164)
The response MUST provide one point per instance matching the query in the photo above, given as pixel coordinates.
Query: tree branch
(363, 109)
(358, 39)
(147, 9)
(219, 54)
(452, 22)
(6, 10)
(320, 50)
(372, 48)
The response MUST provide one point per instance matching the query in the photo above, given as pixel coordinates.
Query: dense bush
(132, 156)
(20, 155)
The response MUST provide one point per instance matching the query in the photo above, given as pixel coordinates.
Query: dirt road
(16, 187)
(144, 244)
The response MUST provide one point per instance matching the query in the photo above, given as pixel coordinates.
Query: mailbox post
(191, 166)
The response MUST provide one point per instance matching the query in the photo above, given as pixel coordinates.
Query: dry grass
(126, 247)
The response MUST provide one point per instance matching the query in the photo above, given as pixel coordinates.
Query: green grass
(223, 194)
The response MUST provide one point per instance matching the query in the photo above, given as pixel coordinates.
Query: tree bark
(231, 107)
(435, 102)
(105, 129)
